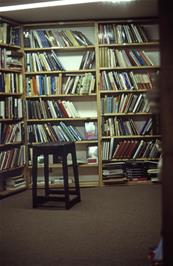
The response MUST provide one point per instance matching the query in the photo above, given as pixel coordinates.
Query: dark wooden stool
(59, 151)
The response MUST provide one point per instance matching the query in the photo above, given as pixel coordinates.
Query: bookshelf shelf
(7, 120)
(132, 137)
(10, 144)
(72, 96)
(106, 92)
(131, 68)
(127, 114)
(81, 183)
(12, 191)
(79, 142)
(4, 94)
(15, 47)
(72, 48)
(60, 72)
(61, 119)
(127, 159)
(9, 70)
(147, 44)
(80, 165)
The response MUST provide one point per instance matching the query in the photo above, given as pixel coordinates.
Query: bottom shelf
(82, 184)
(6, 193)
(129, 182)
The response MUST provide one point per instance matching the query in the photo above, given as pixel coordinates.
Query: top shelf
(82, 36)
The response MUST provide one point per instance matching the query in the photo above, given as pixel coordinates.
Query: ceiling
(92, 11)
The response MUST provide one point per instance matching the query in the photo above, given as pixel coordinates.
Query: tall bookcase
(61, 91)
(12, 148)
(128, 67)
(87, 82)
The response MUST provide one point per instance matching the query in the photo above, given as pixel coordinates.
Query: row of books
(111, 57)
(136, 170)
(43, 109)
(10, 133)
(12, 158)
(53, 133)
(143, 170)
(42, 61)
(130, 170)
(61, 132)
(9, 34)
(15, 182)
(11, 108)
(112, 80)
(41, 38)
(11, 83)
(127, 149)
(10, 59)
(79, 84)
(50, 61)
(58, 84)
(125, 103)
(43, 85)
(125, 127)
(114, 172)
(122, 33)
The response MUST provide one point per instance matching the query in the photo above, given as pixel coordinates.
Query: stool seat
(60, 151)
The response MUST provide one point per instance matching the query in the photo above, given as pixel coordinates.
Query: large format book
(92, 154)
(90, 130)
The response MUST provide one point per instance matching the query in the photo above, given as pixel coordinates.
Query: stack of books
(16, 182)
(136, 171)
(114, 172)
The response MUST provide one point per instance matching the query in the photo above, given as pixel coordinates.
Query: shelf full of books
(12, 145)
(87, 82)
(61, 92)
(128, 63)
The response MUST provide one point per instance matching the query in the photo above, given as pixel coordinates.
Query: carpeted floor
(112, 226)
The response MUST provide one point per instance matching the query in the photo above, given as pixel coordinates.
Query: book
(90, 130)
(92, 154)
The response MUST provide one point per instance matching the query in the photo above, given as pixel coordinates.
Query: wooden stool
(58, 150)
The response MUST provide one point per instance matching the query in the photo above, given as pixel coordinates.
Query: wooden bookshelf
(105, 70)
(125, 82)
(12, 145)
(77, 83)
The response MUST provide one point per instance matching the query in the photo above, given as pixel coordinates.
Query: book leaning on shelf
(92, 154)
(90, 130)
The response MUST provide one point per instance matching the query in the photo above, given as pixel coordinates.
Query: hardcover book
(90, 130)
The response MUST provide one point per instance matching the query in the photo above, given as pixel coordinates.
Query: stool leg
(46, 174)
(65, 177)
(75, 172)
(34, 181)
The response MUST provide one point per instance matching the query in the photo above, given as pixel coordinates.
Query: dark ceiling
(91, 11)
